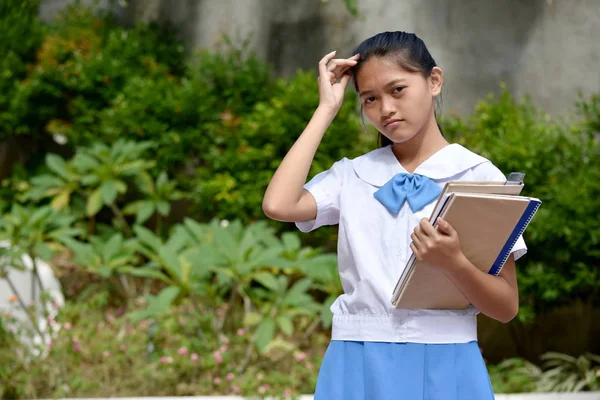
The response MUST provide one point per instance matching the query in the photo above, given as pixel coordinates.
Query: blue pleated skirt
(403, 371)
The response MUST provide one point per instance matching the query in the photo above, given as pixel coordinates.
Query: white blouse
(374, 245)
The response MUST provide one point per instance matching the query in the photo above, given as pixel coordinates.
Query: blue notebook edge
(532, 208)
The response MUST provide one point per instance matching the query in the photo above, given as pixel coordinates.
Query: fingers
(416, 252)
(427, 228)
(416, 241)
(332, 70)
(323, 63)
(445, 227)
(338, 67)
(344, 80)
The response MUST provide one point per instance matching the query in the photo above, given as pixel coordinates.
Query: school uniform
(379, 352)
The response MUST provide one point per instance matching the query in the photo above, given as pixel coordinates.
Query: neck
(428, 141)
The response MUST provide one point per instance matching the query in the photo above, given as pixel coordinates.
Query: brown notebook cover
(484, 223)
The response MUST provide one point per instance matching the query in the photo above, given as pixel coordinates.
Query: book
(488, 225)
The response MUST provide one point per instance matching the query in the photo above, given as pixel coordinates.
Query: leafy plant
(559, 164)
(32, 234)
(514, 375)
(565, 373)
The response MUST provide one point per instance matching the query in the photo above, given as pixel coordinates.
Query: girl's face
(397, 102)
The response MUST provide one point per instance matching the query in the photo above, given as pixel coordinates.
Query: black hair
(406, 49)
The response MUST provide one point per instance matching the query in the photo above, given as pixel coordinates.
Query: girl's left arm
(495, 296)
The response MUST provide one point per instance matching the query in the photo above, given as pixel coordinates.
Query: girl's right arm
(286, 199)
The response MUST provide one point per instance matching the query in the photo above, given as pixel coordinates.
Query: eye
(369, 100)
(398, 89)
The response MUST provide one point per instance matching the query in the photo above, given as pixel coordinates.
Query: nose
(387, 109)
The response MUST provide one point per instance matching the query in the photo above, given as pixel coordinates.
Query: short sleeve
(489, 172)
(325, 187)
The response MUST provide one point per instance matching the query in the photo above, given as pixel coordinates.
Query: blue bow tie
(418, 190)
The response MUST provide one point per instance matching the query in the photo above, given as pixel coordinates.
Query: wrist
(328, 112)
(459, 264)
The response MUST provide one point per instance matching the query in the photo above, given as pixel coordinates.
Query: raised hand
(334, 75)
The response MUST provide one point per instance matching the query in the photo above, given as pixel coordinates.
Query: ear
(436, 81)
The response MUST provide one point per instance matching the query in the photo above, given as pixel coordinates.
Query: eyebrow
(391, 83)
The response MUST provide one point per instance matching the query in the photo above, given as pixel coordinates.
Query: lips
(392, 122)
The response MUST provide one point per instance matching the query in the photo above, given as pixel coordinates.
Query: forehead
(378, 72)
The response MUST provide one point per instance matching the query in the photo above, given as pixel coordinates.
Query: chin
(399, 136)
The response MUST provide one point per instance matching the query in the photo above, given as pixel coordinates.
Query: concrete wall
(546, 48)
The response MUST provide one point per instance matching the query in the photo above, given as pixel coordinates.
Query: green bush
(561, 167)
(220, 121)
(22, 34)
(237, 168)
(83, 62)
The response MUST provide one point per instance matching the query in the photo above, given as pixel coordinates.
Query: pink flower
(235, 388)
(182, 351)
(217, 381)
(106, 354)
(264, 388)
(49, 345)
(50, 320)
(230, 376)
(223, 349)
(54, 304)
(77, 347)
(166, 360)
(225, 340)
(300, 356)
(240, 332)
(218, 357)
(123, 347)
(67, 326)
(287, 392)
(194, 357)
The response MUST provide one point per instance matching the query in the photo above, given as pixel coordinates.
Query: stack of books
(488, 217)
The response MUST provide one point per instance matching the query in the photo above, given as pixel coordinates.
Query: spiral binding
(516, 237)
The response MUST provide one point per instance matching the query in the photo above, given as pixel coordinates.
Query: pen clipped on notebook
(515, 178)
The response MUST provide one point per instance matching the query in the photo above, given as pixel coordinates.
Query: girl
(380, 201)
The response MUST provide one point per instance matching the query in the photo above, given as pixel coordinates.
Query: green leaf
(177, 240)
(43, 251)
(94, 203)
(157, 304)
(162, 180)
(285, 324)
(147, 237)
(267, 280)
(113, 246)
(297, 294)
(291, 241)
(105, 271)
(252, 319)
(89, 180)
(109, 191)
(264, 333)
(57, 164)
(61, 200)
(163, 207)
(170, 261)
(326, 314)
(133, 207)
(144, 212)
(197, 229)
(83, 163)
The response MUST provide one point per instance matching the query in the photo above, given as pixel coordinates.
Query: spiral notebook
(488, 226)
